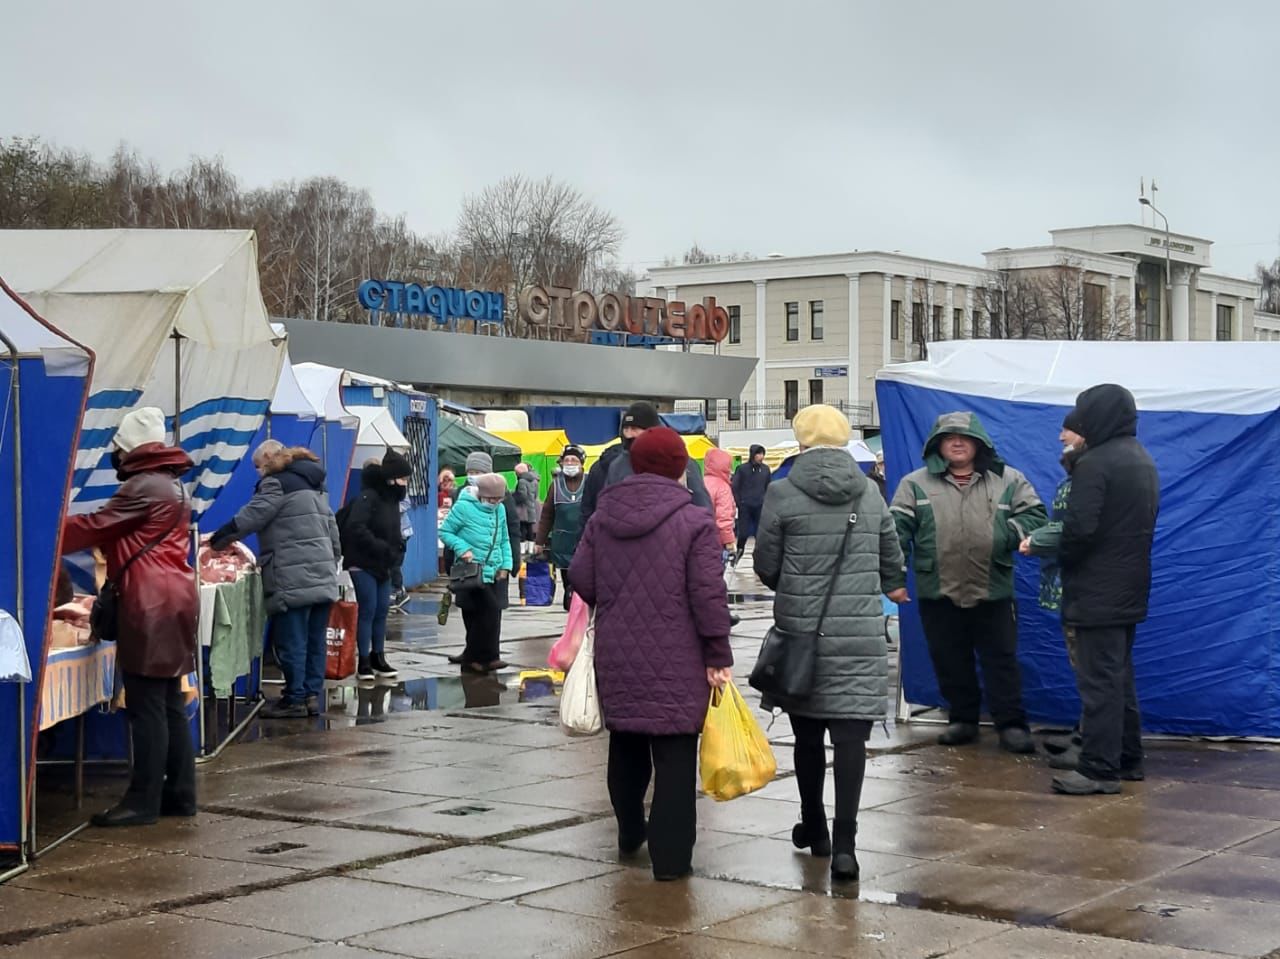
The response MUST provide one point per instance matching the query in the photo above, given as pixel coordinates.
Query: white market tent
(176, 320)
(378, 433)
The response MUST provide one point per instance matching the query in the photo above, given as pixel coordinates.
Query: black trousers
(672, 763)
(568, 588)
(482, 617)
(748, 521)
(1111, 733)
(849, 736)
(164, 761)
(958, 640)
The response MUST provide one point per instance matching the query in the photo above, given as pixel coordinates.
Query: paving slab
(1227, 876)
(467, 819)
(331, 908)
(1169, 827)
(193, 835)
(598, 841)
(321, 802)
(509, 930)
(998, 807)
(704, 947)
(26, 909)
(1053, 944)
(158, 935)
(486, 872)
(848, 927)
(587, 794)
(923, 837)
(316, 847)
(778, 864)
(1050, 853)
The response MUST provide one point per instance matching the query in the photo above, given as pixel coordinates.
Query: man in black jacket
(1105, 555)
(614, 464)
(750, 483)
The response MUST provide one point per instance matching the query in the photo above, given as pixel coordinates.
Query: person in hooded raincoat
(961, 518)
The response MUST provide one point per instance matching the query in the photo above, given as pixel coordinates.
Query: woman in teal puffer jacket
(476, 531)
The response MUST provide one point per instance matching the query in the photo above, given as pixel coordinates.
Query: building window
(917, 322)
(815, 319)
(791, 394)
(1095, 302)
(895, 320)
(1226, 323)
(997, 327)
(711, 410)
(793, 322)
(936, 332)
(735, 410)
(979, 328)
(735, 324)
(815, 392)
(957, 323)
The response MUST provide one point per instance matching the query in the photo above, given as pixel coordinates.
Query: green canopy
(458, 439)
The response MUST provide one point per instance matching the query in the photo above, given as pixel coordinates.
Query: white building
(821, 326)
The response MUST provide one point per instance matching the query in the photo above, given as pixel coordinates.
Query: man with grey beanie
(614, 464)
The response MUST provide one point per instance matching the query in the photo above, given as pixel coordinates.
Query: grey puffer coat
(298, 541)
(803, 523)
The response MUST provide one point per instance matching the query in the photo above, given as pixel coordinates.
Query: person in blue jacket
(476, 531)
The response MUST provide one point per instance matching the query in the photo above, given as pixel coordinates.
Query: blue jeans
(299, 638)
(373, 597)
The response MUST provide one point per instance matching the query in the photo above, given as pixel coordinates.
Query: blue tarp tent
(586, 425)
(1208, 658)
(43, 389)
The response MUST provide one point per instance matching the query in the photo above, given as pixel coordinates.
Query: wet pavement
(448, 817)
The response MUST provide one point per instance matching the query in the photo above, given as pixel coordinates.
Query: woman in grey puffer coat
(804, 521)
(298, 553)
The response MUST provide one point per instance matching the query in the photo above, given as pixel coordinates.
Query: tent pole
(177, 388)
(24, 840)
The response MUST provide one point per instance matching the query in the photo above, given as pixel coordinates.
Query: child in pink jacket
(718, 467)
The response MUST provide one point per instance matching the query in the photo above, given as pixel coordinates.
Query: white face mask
(572, 471)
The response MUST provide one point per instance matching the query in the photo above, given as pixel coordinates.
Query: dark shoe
(629, 845)
(119, 816)
(1016, 739)
(959, 734)
(381, 668)
(673, 876)
(458, 660)
(1078, 784)
(364, 671)
(1133, 774)
(733, 620)
(1068, 760)
(279, 709)
(844, 862)
(177, 810)
(479, 669)
(313, 706)
(496, 665)
(400, 599)
(812, 835)
(1056, 745)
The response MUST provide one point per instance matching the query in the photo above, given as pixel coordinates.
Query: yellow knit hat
(821, 425)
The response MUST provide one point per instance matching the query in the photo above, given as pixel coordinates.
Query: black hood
(370, 476)
(757, 451)
(1106, 411)
(302, 474)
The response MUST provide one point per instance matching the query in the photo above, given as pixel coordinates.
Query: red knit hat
(659, 451)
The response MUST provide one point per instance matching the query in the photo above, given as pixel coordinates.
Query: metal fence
(723, 415)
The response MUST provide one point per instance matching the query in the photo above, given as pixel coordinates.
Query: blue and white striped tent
(176, 320)
(1208, 658)
(42, 397)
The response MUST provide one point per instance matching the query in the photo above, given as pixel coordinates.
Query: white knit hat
(140, 427)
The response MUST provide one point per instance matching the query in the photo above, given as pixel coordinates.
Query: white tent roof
(1239, 378)
(289, 398)
(34, 337)
(322, 386)
(378, 429)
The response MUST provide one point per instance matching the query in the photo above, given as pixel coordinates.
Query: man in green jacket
(961, 519)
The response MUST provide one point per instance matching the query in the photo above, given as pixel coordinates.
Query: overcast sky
(940, 129)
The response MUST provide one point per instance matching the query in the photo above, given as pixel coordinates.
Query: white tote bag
(579, 700)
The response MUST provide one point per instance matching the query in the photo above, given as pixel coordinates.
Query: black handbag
(466, 577)
(784, 668)
(104, 615)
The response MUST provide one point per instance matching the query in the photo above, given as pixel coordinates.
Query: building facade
(822, 326)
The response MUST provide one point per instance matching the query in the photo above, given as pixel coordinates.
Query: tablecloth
(75, 680)
(232, 620)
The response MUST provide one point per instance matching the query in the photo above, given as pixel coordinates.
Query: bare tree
(1269, 277)
(1077, 309)
(921, 301)
(1013, 302)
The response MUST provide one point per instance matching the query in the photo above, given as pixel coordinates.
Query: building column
(948, 323)
(762, 340)
(968, 312)
(855, 338)
(1213, 318)
(1133, 304)
(888, 318)
(1111, 300)
(1180, 305)
(908, 310)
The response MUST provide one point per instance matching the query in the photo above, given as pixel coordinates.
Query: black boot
(811, 833)
(381, 668)
(959, 734)
(844, 864)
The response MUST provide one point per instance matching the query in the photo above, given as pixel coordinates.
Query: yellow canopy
(537, 442)
(773, 456)
(698, 447)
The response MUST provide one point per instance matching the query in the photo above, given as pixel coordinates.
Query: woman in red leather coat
(149, 518)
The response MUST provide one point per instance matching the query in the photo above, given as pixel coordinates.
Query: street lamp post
(1168, 265)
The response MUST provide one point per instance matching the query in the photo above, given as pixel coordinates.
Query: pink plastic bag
(565, 651)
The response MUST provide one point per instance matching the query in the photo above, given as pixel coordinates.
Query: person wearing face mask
(476, 530)
(1044, 544)
(372, 547)
(614, 464)
(561, 521)
(299, 552)
(146, 525)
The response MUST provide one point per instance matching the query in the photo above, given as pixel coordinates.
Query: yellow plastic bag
(735, 757)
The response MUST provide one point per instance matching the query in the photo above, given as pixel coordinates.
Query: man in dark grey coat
(299, 553)
(805, 520)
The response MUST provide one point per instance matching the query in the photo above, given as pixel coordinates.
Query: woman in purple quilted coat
(649, 562)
